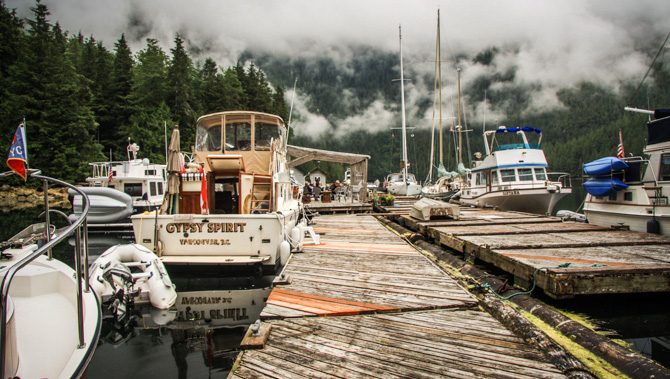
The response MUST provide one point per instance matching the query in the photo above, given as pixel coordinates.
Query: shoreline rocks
(27, 197)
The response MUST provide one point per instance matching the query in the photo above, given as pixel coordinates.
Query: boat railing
(561, 177)
(77, 227)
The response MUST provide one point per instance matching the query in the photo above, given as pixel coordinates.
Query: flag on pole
(620, 153)
(110, 174)
(17, 160)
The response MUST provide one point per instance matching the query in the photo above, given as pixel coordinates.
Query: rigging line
(658, 53)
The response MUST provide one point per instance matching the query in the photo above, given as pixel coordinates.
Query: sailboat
(448, 183)
(403, 183)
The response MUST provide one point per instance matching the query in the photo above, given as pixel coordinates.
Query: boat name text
(512, 192)
(212, 227)
(186, 300)
(234, 314)
(204, 241)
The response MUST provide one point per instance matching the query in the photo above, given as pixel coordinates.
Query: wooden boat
(234, 203)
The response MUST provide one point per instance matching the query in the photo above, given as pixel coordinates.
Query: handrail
(66, 232)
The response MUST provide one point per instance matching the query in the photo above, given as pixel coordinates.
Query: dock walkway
(565, 259)
(386, 311)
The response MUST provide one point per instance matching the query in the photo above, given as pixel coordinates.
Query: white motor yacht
(235, 204)
(633, 191)
(513, 176)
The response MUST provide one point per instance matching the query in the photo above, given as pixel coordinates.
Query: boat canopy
(658, 130)
(525, 128)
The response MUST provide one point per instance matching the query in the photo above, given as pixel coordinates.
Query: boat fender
(284, 251)
(296, 238)
(653, 226)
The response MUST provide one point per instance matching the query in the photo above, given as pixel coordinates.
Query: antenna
(290, 112)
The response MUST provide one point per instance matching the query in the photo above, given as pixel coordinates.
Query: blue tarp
(513, 129)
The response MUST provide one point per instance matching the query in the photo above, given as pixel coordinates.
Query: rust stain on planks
(322, 305)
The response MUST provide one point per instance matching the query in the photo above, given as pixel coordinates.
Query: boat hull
(217, 239)
(107, 205)
(411, 189)
(50, 285)
(537, 200)
(622, 217)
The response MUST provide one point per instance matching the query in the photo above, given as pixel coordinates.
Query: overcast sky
(555, 43)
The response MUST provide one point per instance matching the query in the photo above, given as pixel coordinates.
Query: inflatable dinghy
(132, 269)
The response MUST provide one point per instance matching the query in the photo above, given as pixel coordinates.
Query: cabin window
(507, 175)
(665, 167)
(208, 138)
(238, 136)
(612, 196)
(628, 196)
(150, 172)
(264, 133)
(133, 189)
(540, 174)
(480, 179)
(160, 188)
(526, 174)
(494, 177)
(152, 188)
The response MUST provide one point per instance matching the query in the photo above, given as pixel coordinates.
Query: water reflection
(198, 337)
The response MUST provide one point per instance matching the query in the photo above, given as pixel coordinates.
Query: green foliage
(80, 100)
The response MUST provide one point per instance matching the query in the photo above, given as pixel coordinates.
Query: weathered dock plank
(361, 268)
(420, 344)
(565, 259)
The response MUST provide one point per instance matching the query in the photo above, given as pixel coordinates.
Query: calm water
(201, 341)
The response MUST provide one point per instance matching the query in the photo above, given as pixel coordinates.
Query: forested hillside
(81, 100)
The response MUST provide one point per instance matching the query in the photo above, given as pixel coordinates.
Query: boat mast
(459, 125)
(404, 162)
(439, 80)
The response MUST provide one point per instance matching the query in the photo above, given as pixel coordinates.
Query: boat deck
(386, 311)
(565, 259)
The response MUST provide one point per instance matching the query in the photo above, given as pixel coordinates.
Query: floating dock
(364, 303)
(338, 206)
(565, 259)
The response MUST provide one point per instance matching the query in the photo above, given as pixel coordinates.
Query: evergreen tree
(48, 91)
(149, 77)
(180, 97)
(118, 101)
(148, 129)
(212, 89)
(232, 86)
(279, 106)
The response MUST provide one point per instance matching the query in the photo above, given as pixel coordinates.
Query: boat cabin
(239, 151)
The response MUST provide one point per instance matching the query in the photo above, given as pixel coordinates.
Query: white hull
(634, 214)
(42, 326)
(401, 189)
(224, 239)
(538, 201)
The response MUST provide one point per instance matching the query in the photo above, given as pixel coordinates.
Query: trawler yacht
(633, 191)
(513, 176)
(234, 203)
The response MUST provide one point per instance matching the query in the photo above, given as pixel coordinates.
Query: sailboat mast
(404, 163)
(439, 80)
(458, 112)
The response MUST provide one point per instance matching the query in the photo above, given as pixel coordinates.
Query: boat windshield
(264, 134)
(208, 135)
(238, 136)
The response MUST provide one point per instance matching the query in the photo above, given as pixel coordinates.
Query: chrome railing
(81, 259)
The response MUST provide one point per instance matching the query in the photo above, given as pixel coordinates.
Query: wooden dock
(386, 311)
(336, 206)
(565, 259)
